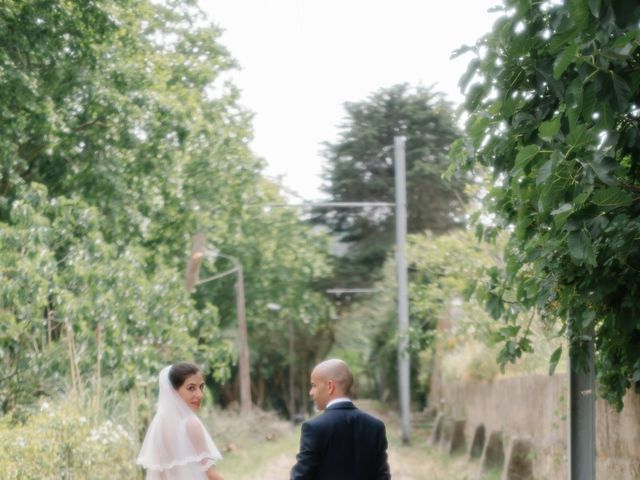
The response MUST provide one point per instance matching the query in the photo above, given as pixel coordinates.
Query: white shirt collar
(337, 400)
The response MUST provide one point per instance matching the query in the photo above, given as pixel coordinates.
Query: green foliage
(121, 138)
(440, 268)
(360, 168)
(283, 259)
(73, 304)
(553, 100)
(450, 329)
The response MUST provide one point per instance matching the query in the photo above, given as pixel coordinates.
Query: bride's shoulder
(193, 424)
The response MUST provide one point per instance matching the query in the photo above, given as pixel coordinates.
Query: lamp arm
(219, 275)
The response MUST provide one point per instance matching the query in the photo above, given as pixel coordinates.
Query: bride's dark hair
(179, 372)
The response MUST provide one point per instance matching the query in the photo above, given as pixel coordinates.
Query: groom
(343, 443)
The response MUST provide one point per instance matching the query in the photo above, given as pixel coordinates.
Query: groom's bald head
(338, 372)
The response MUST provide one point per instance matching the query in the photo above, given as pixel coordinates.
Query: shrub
(66, 441)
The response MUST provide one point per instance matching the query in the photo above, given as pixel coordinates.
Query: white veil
(176, 442)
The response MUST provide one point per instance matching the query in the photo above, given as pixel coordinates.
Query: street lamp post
(198, 252)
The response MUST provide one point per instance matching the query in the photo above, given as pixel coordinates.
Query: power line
(330, 205)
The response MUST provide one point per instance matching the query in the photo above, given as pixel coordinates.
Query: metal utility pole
(245, 378)
(403, 300)
(292, 371)
(582, 418)
(198, 252)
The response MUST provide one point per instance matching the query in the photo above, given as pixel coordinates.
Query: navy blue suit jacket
(343, 443)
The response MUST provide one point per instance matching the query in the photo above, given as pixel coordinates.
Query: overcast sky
(301, 60)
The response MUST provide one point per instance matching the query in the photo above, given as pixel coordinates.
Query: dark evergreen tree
(360, 168)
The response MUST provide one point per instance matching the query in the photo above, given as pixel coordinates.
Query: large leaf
(579, 13)
(549, 128)
(594, 6)
(555, 358)
(477, 129)
(526, 154)
(620, 92)
(580, 247)
(612, 197)
(544, 172)
(461, 51)
(561, 214)
(468, 74)
(606, 117)
(563, 60)
(579, 137)
(605, 168)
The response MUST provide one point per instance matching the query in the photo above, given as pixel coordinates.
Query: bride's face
(192, 391)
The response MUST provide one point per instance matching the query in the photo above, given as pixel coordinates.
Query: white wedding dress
(176, 446)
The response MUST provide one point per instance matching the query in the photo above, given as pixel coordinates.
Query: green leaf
(553, 192)
(594, 6)
(511, 105)
(475, 96)
(566, 57)
(612, 197)
(559, 40)
(468, 74)
(526, 154)
(494, 306)
(544, 172)
(620, 92)
(606, 117)
(581, 198)
(548, 129)
(579, 137)
(574, 102)
(510, 331)
(561, 214)
(580, 247)
(477, 130)
(555, 358)
(461, 51)
(605, 168)
(579, 11)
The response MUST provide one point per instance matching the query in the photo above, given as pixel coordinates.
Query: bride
(177, 446)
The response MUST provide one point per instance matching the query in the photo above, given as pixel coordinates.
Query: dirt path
(408, 464)
(417, 461)
(279, 467)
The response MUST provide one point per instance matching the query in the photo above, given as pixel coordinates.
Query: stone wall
(529, 414)
(618, 439)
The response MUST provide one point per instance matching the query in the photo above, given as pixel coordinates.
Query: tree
(121, 139)
(553, 97)
(440, 268)
(360, 168)
(107, 139)
(283, 258)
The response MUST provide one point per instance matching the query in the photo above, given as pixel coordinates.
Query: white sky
(302, 59)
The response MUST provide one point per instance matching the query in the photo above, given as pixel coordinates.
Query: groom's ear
(331, 386)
